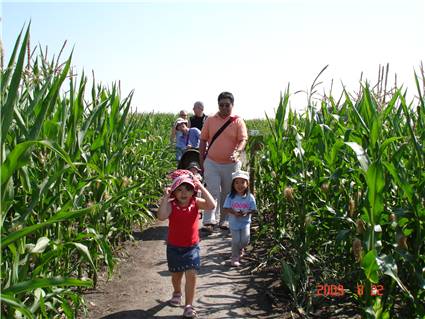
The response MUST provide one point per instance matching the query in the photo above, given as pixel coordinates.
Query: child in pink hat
(181, 207)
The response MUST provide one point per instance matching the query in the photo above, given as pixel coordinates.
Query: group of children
(181, 205)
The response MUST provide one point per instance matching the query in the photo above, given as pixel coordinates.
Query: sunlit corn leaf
(388, 266)
(360, 153)
(86, 252)
(41, 245)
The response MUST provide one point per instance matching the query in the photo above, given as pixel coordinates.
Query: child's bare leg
(236, 243)
(176, 280)
(190, 285)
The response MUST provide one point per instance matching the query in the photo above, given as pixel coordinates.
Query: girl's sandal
(189, 312)
(176, 299)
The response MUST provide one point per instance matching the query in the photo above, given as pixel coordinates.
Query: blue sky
(173, 53)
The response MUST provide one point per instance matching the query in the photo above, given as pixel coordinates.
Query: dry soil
(141, 287)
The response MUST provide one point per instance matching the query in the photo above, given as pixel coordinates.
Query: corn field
(77, 173)
(348, 208)
(79, 170)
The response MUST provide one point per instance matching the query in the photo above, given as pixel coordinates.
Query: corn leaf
(15, 304)
(32, 284)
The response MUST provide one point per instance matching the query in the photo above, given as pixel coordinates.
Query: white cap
(240, 174)
(179, 121)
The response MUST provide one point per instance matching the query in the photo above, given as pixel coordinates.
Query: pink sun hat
(181, 180)
(179, 172)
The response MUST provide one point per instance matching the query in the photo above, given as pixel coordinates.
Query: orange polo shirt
(225, 144)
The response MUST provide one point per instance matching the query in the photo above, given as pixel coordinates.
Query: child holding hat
(239, 205)
(181, 207)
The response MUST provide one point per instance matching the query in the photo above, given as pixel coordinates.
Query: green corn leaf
(60, 216)
(20, 122)
(49, 101)
(90, 121)
(375, 131)
(115, 103)
(370, 266)
(418, 146)
(32, 284)
(420, 93)
(18, 158)
(388, 266)
(86, 252)
(400, 182)
(46, 258)
(288, 277)
(107, 255)
(360, 153)
(67, 309)
(357, 114)
(25, 180)
(126, 110)
(389, 141)
(15, 304)
(375, 183)
(7, 108)
(6, 75)
(391, 104)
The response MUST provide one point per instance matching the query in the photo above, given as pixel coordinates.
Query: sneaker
(224, 225)
(176, 299)
(241, 253)
(189, 312)
(235, 262)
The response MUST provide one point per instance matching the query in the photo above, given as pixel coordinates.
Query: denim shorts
(183, 258)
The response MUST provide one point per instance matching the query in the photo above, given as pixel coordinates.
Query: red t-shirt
(183, 224)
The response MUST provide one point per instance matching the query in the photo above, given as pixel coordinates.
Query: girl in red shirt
(181, 207)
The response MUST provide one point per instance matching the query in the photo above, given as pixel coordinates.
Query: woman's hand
(235, 156)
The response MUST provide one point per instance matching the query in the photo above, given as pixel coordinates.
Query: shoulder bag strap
(220, 130)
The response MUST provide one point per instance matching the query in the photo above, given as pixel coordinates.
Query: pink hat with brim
(181, 180)
(179, 172)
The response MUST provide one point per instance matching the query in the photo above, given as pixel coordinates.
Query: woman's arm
(164, 209)
(202, 150)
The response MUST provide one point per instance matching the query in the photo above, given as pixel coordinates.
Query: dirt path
(141, 285)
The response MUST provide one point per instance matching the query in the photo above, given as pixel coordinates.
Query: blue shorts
(183, 258)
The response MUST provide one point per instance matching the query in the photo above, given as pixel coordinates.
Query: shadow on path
(142, 280)
(153, 233)
(140, 314)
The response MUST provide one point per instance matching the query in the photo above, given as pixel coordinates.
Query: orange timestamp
(337, 290)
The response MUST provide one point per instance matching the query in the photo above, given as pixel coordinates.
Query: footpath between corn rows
(141, 284)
